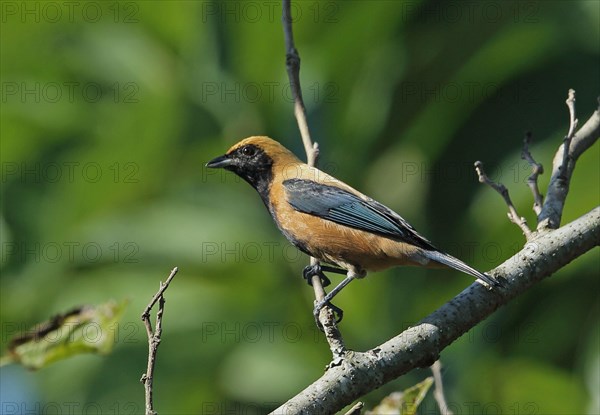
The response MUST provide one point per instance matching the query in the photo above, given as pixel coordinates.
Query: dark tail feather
(461, 266)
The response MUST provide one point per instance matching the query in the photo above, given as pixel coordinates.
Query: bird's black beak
(220, 162)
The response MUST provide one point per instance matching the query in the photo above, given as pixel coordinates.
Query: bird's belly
(347, 247)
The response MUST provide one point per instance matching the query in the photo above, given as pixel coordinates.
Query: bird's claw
(312, 270)
(338, 313)
(317, 270)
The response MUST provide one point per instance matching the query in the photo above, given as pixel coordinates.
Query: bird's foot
(312, 270)
(338, 312)
(318, 269)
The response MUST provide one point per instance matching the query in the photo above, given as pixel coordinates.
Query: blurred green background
(110, 110)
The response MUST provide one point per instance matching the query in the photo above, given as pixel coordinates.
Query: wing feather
(345, 208)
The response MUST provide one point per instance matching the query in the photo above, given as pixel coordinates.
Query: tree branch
(154, 339)
(564, 164)
(292, 63)
(419, 346)
(353, 374)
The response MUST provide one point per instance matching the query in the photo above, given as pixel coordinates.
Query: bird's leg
(318, 270)
(335, 270)
(326, 300)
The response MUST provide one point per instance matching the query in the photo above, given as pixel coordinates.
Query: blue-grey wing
(340, 206)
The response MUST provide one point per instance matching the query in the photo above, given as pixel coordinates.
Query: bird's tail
(457, 264)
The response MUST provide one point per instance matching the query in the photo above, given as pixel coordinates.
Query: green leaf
(85, 329)
(406, 402)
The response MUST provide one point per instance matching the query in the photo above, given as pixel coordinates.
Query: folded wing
(340, 206)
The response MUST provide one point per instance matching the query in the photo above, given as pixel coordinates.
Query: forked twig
(514, 217)
(563, 165)
(154, 339)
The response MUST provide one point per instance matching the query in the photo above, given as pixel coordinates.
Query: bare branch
(292, 63)
(563, 165)
(536, 170)
(513, 216)
(154, 339)
(438, 392)
(420, 345)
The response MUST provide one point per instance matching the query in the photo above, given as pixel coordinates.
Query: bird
(346, 231)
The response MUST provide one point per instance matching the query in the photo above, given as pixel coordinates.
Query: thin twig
(514, 217)
(154, 339)
(292, 63)
(536, 170)
(567, 140)
(356, 409)
(438, 392)
(163, 288)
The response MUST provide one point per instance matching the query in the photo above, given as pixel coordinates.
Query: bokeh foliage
(110, 110)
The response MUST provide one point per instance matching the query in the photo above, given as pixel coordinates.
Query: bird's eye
(248, 151)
